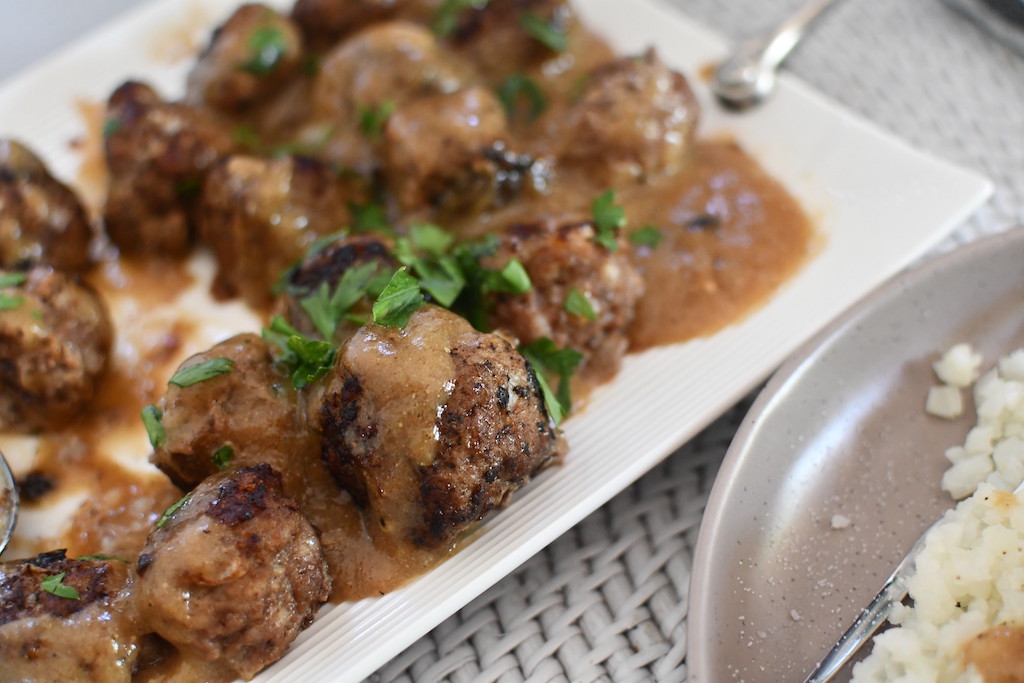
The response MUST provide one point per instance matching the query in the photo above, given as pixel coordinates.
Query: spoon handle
(772, 48)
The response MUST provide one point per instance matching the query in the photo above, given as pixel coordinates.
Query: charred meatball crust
(234, 574)
(55, 338)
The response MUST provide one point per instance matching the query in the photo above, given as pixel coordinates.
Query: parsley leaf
(12, 279)
(372, 118)
(608, 218)
(267, 45)
(517, 88)
(307, 359)
(430, 238)
(548, 34)
(399, 300)
(222, 456)
(9, 303)
(151, 416)
(200, 372)
(169, 512)
(576, 303)
(55, 584)
(326, 309)
(446, 18)
(370, 218)
(512, 279)
(548, 360)
(647, 236)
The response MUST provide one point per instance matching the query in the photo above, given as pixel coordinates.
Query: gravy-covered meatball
(635, 118)
(234, 573)
(368, 260)
(55, 336)
(250, 57)
(259, 216)
(66, 620)
(325, 22)
(41, 219)
(372, 73)
(158, 154)
(431, 426)
(568, 267)
(447, 152)
(496, 38)
(247, 414)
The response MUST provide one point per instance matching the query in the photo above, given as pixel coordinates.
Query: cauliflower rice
(970, 575)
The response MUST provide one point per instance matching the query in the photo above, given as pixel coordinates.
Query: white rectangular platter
(877, 204)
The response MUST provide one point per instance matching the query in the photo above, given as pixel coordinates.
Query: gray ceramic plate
(841, 430)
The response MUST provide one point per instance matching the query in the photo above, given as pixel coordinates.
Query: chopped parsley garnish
(430, 238)
(169, 512)
(12, 279)
(512, 279)
(517, 89)
(372, 119)
(326, 309)
(151, 416)
(647, 236)
(223, 456)
(307, 360)
(399, 300)
(370, 218)
(103, 558)
(548, 34)
(549, 361)
(111, 126)
(576, 303)
(55, 584)
(9, 303)
(200, 372)
(268, 45)
(446, 18)
(608, 218)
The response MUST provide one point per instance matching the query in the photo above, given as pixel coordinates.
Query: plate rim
(775, 390)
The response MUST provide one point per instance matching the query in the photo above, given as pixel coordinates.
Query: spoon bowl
(9, 503)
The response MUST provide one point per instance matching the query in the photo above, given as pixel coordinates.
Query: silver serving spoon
(9, 503)
(874, 615)
(748, 76)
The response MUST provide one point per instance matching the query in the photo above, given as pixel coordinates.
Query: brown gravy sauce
(731, 236)
(996, 654)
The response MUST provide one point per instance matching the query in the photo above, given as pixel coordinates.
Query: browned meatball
(259, 216)
(326, 267)
(55, 336)
(66, 620)
(448, 152)
(565, 261)
(158, 154)
(371, 73)
(234, 573)
(250, 57)
(431, 426)
(41, 219)
(247, 414)
(635, 118)
(495, 39)
(325, 22)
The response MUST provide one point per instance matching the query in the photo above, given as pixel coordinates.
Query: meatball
(41, 219)
(158, 154)
(234, 573)
(245, 415)
(431, 426)
(448, 152)
(494, 36)
(55, 336)
(374, 71)
(325, 22)
(66, 620)
(326, 266)
(260, 215)
(565, 263)
(635, 118)
(250, 57)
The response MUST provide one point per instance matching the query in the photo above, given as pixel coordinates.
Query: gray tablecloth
(608, 601)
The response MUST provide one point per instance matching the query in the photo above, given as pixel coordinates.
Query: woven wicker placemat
(608, 600)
